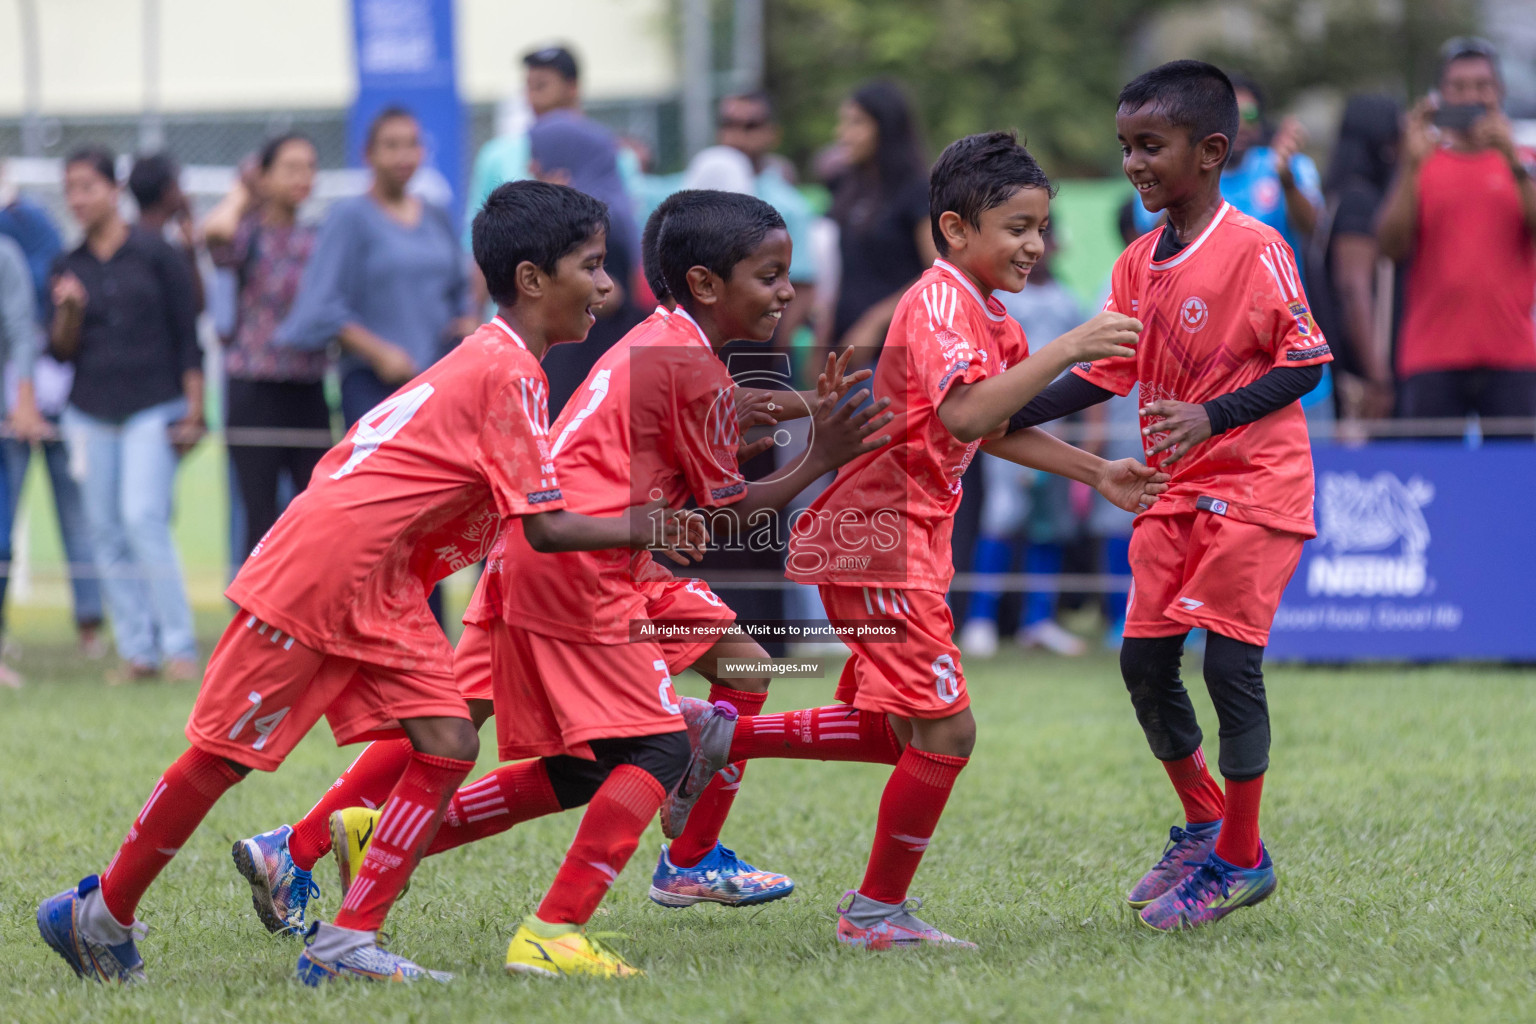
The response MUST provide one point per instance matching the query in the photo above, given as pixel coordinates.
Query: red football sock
(366, 784)
(179, 802)
(840, 732)
(406, 826)
(708, 815)
(1239, 840)
(508, 796)
(909, 812)
(610, 830)
(1198, 792)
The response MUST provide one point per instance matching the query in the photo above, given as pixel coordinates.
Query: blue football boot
(1210, 893)
(280, 889)
(58, 921)
(721, 877)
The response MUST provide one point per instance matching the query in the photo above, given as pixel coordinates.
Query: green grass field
(1399, 814)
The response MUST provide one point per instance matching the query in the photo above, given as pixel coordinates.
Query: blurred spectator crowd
(1416, 247)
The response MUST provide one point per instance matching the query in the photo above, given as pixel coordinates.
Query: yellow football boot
(556, 951)
(351, 832)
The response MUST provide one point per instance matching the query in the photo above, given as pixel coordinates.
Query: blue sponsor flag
(405, 57)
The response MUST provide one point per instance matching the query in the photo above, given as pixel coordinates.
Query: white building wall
(265, 54)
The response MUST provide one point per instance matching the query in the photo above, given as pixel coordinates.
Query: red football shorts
(691, 604)
(669, 600)
(910, 669)
(1198, 569)
(264, 691)
(553, 696)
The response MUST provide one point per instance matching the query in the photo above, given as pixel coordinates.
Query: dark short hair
(273, 146)
(534, 222)
(393, 112)
(650, 252)
(555, 58)
(1191, 94)
(99, 158)
(151, 178)
(1468, 48)
(976, 173)
(710, 229)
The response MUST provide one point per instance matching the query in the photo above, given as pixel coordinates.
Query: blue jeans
(127, 472)
(71, 516)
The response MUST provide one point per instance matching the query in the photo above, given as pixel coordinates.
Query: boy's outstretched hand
(1108, 335)
(840, 434)
(1131, 485)
(835, 380)
(1183, 424)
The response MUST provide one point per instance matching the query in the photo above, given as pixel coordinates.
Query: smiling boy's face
(578, 285)
(1010, 239)
(751, 301)
(1164, 164)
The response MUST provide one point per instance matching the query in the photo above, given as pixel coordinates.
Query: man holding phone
(1463, 208)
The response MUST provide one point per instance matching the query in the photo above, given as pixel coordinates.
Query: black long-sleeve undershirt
(1278, 388)
(1063, 396)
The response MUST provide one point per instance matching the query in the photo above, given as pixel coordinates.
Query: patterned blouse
(269, 263)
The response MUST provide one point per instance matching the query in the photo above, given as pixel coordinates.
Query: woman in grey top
(387, 278)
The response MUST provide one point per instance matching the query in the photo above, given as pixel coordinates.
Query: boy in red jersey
(877, 540)
(333, 617)
(278, 863)
(1229, 347)
(579, 684)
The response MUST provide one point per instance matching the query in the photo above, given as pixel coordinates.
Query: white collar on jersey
(499, 322)
(680, 311)
(965, 283)
(662, 311)
(1189, 250)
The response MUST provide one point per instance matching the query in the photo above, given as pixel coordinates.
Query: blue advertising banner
(405, 57)
(1424, 551)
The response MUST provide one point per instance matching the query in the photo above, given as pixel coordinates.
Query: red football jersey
(1216, 317)
(888, 516)
(655, 419)
(416, 491)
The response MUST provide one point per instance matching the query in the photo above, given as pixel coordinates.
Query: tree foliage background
(1052, 68)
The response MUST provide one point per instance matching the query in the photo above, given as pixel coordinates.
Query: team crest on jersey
(1194, 314)
(1304, 322)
